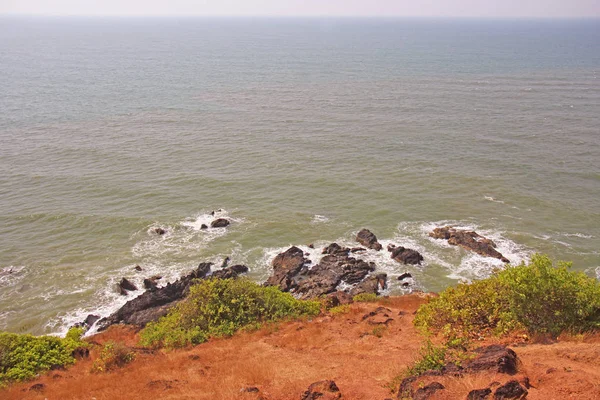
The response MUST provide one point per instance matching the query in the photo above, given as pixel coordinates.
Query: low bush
(366, 298)
(539, 297)
(113, 355)
(220, 307)
(22, 357)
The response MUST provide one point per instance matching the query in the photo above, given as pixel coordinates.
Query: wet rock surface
(405, 255)
(368, 239)
(220, 223)
(469, 240)
(291, 273)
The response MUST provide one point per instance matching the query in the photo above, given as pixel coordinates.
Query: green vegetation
(220, 307)
(113, 355)
(430, 358)
(366, 298)
(341, 309)
(24, 356)
(540, 298)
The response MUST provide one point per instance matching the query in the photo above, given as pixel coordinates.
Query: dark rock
(338, 298)
(371, 284)
(494, 358)
(469, 240)
(138, 268)
(427, 391)
(149, 284)
(38, 387)
(250, 389)
(479, 394)
(405, 276)
(125, 285)
(406, 256)
(368, 239)
(91, 320)
(152, 305)
(335, 249)
(163, 384)
(230, 272)
(357, 250)
(225, 262)
(160, 231)
(219, 223)
(203, 226)
(286, 266)
(322, 390)
(510, 390)
(311, 246)
(406, 391)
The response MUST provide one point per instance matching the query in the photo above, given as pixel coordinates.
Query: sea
(300, 131)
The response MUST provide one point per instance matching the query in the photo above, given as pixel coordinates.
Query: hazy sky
(436, 8)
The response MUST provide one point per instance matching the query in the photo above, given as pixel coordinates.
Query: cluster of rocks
(469, 240)
(216, 223)
(497, 359)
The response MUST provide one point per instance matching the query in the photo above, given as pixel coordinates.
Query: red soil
(283, 360)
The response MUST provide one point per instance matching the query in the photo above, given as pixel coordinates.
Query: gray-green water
(302, 131)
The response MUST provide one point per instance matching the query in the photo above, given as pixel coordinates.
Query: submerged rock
(219, 223)
(160, 231)
(469, 240)
(368, 239)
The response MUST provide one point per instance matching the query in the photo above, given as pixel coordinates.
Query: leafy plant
(220, 307)
(431, 357)
(113, 355)
(341, 309)
(539, 298)
(22, 357)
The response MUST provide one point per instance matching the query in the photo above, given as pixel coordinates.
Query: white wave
(317, 219)
(578, 235)
(490, 198)
(11, 275)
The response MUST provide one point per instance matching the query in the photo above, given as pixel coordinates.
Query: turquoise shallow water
(302, 131)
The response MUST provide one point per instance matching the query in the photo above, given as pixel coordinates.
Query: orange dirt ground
(283, 360)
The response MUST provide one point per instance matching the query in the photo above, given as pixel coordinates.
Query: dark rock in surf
(405, 275)
(125, 286)
(368, 239)
(335, 248)
(203, 226)
(160, 231)
(230, 272)
(138, 268)
(469, 240)
(219, 223)
(154, 304)
(404, 255)
(286, 266)
(371, 285)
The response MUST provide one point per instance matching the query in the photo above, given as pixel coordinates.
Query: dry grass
(283, 359)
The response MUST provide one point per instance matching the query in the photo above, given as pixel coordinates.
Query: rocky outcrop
(230, 272)
(479, 394)
(286, 267)
(368, 239)
(125, 285)
(469, 240)
(291, 273)
(322, 390)
(495, 358)
(219, 223)
(405, 255)
(154, 304)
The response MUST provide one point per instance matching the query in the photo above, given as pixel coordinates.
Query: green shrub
(22, 357)
(341, 309)
(539, 297)
(220, 307)
(366, 298)
(113, 355)
(430, 358)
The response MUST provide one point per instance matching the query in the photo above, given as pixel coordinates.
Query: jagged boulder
(511, 390)
(405, 255)
(427, 391)
(125, 285)
(479, 394)
(496, 358)
(286, 266)
(230, 272)
(368, 239)
(469, 240)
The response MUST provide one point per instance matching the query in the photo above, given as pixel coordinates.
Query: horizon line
(340, 16)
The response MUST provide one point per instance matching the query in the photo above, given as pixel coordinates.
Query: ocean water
(299, 130)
